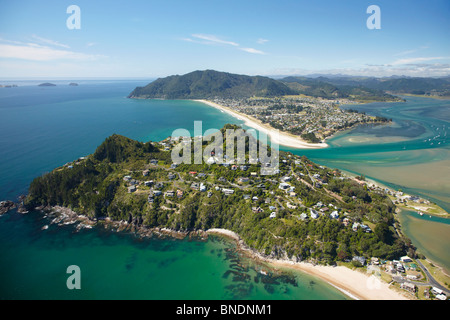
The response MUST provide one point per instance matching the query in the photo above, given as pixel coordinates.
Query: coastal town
(277, 199)
(312, 119)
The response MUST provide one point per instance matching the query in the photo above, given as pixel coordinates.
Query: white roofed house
(334, 215)
(227, 191)
(284, 186)
(303, 216)
(313, 213)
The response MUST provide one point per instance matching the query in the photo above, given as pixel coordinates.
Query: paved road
(431, 280)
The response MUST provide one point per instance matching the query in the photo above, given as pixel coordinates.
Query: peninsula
(267, 105)
(303, 214)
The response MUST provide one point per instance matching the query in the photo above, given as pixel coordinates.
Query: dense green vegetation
(95, 187)
(323, 89)
(211, 84)
(410, 85)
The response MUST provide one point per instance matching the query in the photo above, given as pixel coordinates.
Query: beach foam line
(352, 283)
(276, 136)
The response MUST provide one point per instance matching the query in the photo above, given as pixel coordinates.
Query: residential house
(227, 191)
(148, 183)
(273, 215)
(314, 214)
(171, 176)
(195, 186)
(334, 215)
(405, 259)
(257, 209)
(291, 206)
(346, 221)
(131, 189)
(408, 287)
(284, 186)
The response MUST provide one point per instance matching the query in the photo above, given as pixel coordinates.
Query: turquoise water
(33, 265)
(411, 154)
(42, 128)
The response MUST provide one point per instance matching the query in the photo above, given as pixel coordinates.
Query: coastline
(276, 136)
(354, 284)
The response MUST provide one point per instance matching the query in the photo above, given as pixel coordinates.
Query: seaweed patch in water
(239, 291)
(131, 261)
(269, 288)
(237, 276)
(167, 262)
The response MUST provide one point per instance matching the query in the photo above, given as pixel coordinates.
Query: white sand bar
(276, 136)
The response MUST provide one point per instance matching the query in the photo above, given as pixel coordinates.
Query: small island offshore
(303, 216)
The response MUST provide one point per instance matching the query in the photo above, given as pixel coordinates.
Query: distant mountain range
(214, 84)
(395, 84)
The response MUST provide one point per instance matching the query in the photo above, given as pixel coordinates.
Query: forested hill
(211, 84)
(393, 85)
(324, 88)
(327, 219)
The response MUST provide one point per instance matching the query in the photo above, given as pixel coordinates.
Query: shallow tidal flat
(425, 172)
(433, 238)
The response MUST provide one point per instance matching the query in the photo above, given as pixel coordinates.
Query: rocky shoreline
(65, 216)
(8, 205)
(58, 215)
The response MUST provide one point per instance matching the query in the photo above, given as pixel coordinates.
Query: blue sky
(138, 39)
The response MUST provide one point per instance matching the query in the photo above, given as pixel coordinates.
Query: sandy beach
(276, 136)
(354, 284)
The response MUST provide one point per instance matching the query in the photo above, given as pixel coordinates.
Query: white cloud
(36, 52)
(262, 41)
(415, 70)
(212, 39)
(50, 42)
(415, 60)
(404, 53)
(251, 50)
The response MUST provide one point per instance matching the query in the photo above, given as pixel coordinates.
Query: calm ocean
(45, 127)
